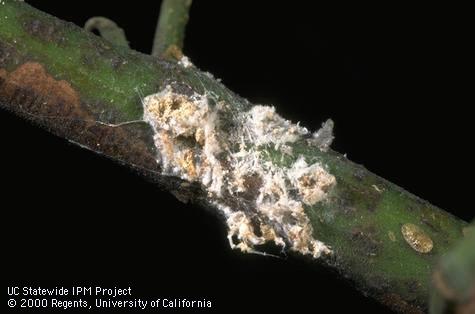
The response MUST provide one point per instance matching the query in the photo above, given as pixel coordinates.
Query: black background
(393, 78)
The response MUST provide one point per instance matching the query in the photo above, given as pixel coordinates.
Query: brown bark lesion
(30, 91)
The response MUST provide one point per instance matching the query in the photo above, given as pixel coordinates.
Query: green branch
(80, 87)
(170, 33)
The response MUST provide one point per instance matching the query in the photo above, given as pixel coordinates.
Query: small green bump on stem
(467, 230)
(391, 236)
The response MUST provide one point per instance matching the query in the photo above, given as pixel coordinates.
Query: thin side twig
(108, 30)
(170, 33)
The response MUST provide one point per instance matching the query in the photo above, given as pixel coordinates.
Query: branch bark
(86, 90)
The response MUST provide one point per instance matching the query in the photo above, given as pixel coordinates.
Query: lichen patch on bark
(227, 158)
(185, 62)
(312, 181)
(265, 126)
